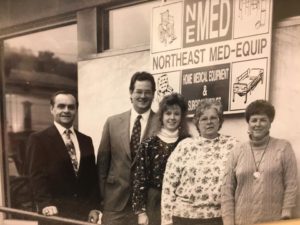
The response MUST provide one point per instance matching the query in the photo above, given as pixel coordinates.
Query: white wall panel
(103, 89)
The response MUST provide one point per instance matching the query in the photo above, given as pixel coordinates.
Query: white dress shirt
(73, 137)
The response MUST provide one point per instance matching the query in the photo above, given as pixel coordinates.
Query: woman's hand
(143, 219)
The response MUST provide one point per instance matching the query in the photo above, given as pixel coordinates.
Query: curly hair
(171, 100)
(260, 107)
(208, 103)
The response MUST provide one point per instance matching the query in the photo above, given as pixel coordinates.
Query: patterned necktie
(71, 150)
(135, 136)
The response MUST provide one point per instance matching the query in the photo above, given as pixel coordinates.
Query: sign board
(212, 49)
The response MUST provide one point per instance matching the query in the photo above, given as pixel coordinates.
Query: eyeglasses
(207, 120)
(140, 93)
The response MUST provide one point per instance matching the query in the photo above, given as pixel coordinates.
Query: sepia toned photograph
(150, 112)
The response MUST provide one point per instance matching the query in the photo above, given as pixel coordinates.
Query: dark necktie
(135, 136)
(71, 150)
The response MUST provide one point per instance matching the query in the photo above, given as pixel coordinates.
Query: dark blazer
(114, 160)
(52, 177)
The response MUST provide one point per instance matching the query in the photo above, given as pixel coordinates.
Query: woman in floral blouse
(192, 182)
(152, 158)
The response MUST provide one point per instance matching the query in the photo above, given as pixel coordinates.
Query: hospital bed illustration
(247, 82)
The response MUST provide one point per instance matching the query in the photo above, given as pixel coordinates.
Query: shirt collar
(144, 115)
(62, 129)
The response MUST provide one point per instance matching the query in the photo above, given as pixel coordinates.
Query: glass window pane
(130, 26)
(35, 66)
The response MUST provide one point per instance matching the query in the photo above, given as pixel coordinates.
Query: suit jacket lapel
(151, 126)
(56, 139)
(124, 126)
(59, 146)
(80, 143)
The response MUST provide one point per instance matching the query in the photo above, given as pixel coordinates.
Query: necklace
(256, 173)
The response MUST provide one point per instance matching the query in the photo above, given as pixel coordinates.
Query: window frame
(12, 32)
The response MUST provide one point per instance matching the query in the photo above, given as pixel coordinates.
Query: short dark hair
(260, 107)
(63, 92)
(141, 76)
(170, 100)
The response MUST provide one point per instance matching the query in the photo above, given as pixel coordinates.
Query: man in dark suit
(61, 164)
(116, 154)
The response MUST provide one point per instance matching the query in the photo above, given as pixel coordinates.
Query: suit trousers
(124, 217)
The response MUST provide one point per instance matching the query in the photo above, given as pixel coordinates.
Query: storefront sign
(218, 49)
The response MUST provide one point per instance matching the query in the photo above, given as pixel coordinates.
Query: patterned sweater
(249, 200)
(150, 167)
(193, 178)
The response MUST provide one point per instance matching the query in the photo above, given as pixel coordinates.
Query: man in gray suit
(116, 152)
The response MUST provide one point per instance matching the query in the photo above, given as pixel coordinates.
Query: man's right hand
(143, 219)
(95, 216)
(49, 210)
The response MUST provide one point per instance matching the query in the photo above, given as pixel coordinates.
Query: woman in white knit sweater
(260, 183)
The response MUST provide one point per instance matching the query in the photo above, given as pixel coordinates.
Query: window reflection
(36, 66)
